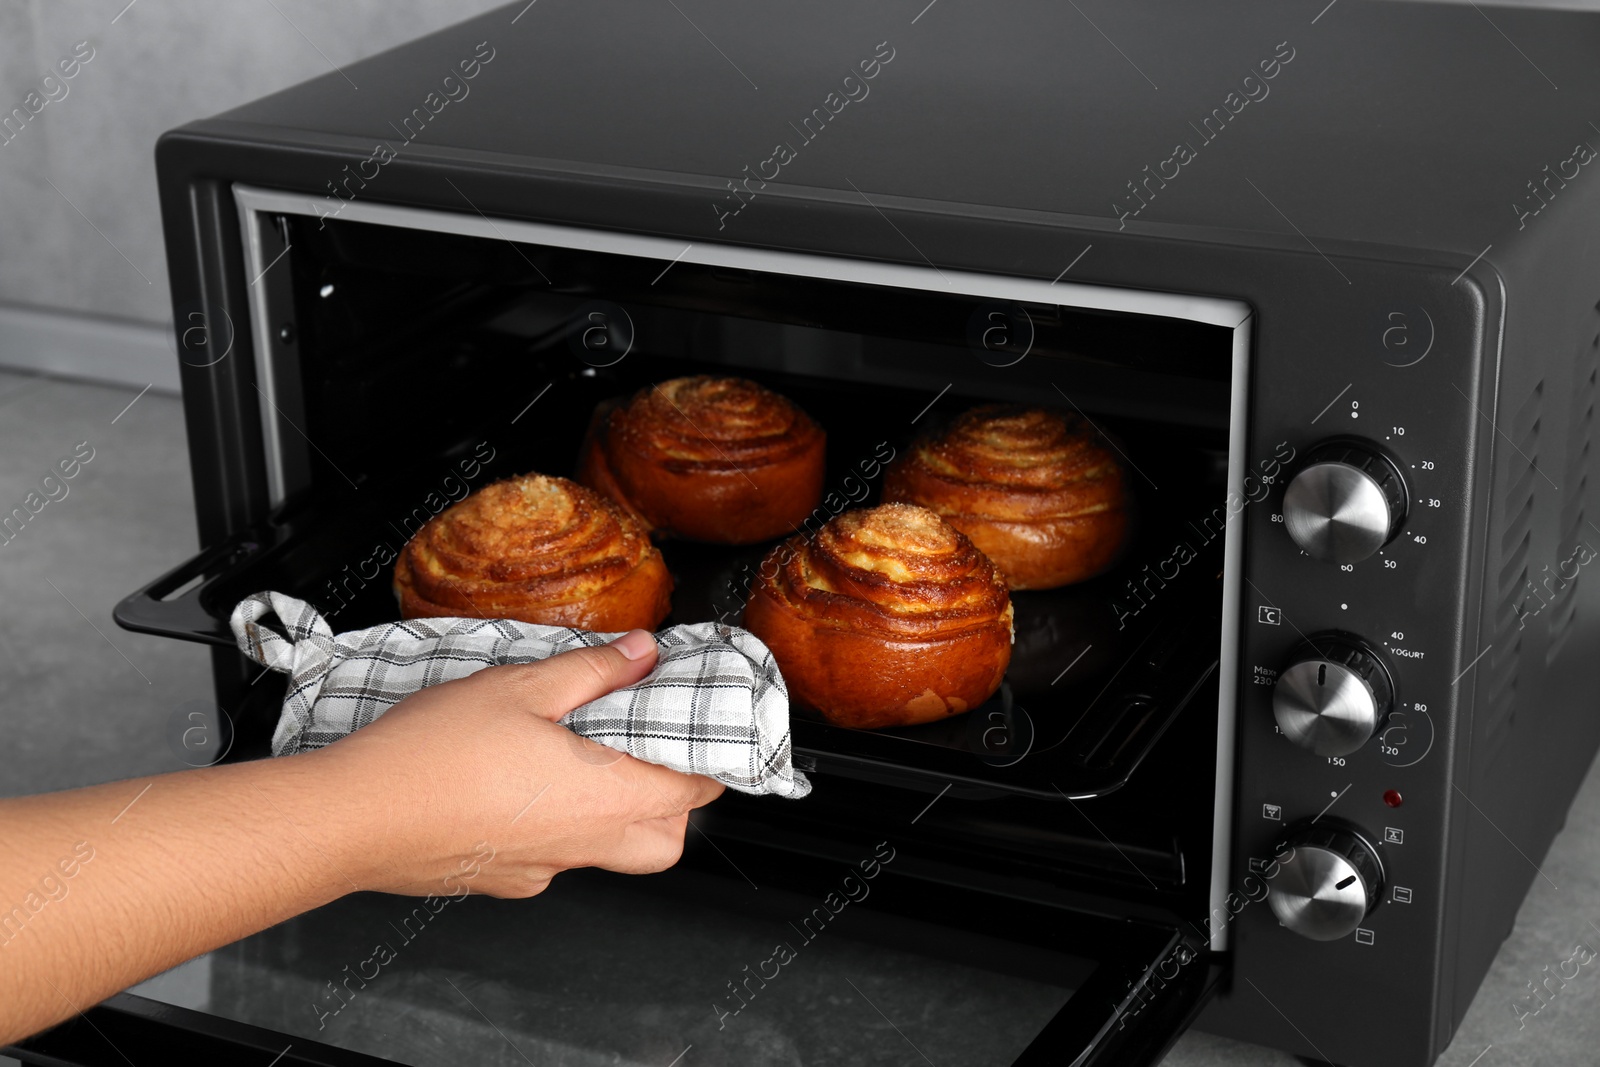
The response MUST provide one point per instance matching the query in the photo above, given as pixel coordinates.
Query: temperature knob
(1333, 696)
(1346, 502)
(1327, 884)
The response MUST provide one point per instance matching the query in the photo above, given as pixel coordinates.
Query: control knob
(1334, 695)
(1327, 884)
(1346, 501)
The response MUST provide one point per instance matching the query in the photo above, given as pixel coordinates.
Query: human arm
(471, 779)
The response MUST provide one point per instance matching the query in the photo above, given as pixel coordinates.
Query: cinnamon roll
(887, 617)
(535, 549)
(708, 459)
(1039, 492)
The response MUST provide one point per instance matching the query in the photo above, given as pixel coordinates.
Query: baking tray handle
(179, 603)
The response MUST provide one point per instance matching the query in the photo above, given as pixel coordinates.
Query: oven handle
(179, 603)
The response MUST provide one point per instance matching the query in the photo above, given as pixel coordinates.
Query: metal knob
(1333, 696)
(1346, 502)
(1327, 883)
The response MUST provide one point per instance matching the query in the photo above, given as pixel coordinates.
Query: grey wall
(157, 64)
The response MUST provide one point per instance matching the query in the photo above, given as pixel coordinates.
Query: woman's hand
(473, 781)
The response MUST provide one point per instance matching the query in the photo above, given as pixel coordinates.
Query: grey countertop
(568, 978)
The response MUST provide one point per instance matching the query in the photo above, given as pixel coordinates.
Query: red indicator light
(1392, 798)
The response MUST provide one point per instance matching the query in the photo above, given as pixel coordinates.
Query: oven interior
(408, 367)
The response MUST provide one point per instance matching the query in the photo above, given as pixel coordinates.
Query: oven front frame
(254, 202)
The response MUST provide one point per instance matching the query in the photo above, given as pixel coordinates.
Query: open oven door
(1097, 1028)
(610, 969)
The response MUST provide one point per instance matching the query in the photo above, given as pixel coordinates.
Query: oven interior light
(327, 290)
(1392, 797)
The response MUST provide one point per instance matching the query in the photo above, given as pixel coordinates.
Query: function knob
(1347, 501)
(1333, 696)
(1328, 884)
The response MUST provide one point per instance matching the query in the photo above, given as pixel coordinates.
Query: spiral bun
(887, 617)
(709, 459)
(1039, 492)
(535, 549)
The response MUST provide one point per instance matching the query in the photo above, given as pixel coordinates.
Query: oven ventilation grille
(1574, 490)
(1522, 472)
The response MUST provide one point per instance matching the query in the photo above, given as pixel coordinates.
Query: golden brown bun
(1039, 492)
(887, 617)
(709, 459)
(536, 549)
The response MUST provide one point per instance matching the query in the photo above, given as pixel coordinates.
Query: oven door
(688, 967)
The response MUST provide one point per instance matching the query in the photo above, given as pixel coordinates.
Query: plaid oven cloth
(714, 704)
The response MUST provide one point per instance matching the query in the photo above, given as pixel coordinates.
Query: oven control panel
(1354, 652)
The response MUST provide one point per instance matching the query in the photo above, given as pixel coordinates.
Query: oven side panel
(1534, 729)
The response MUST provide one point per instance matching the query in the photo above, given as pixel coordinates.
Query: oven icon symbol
(1393, 836)
(1269, 616)
(1363, 937)
(1402, 895)
(1272, 811)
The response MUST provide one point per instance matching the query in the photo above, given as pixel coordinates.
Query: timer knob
(1328, 880)
(1347, 501)
(1333, 696)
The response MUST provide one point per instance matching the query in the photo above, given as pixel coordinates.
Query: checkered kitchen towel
(714, 704)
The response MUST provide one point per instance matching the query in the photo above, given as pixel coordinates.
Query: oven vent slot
(1516, 595)
(1502, 696)
(1575, 547)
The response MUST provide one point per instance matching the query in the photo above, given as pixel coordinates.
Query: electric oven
(1282, 774)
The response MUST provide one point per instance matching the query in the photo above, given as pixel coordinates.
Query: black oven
(1283, 773)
